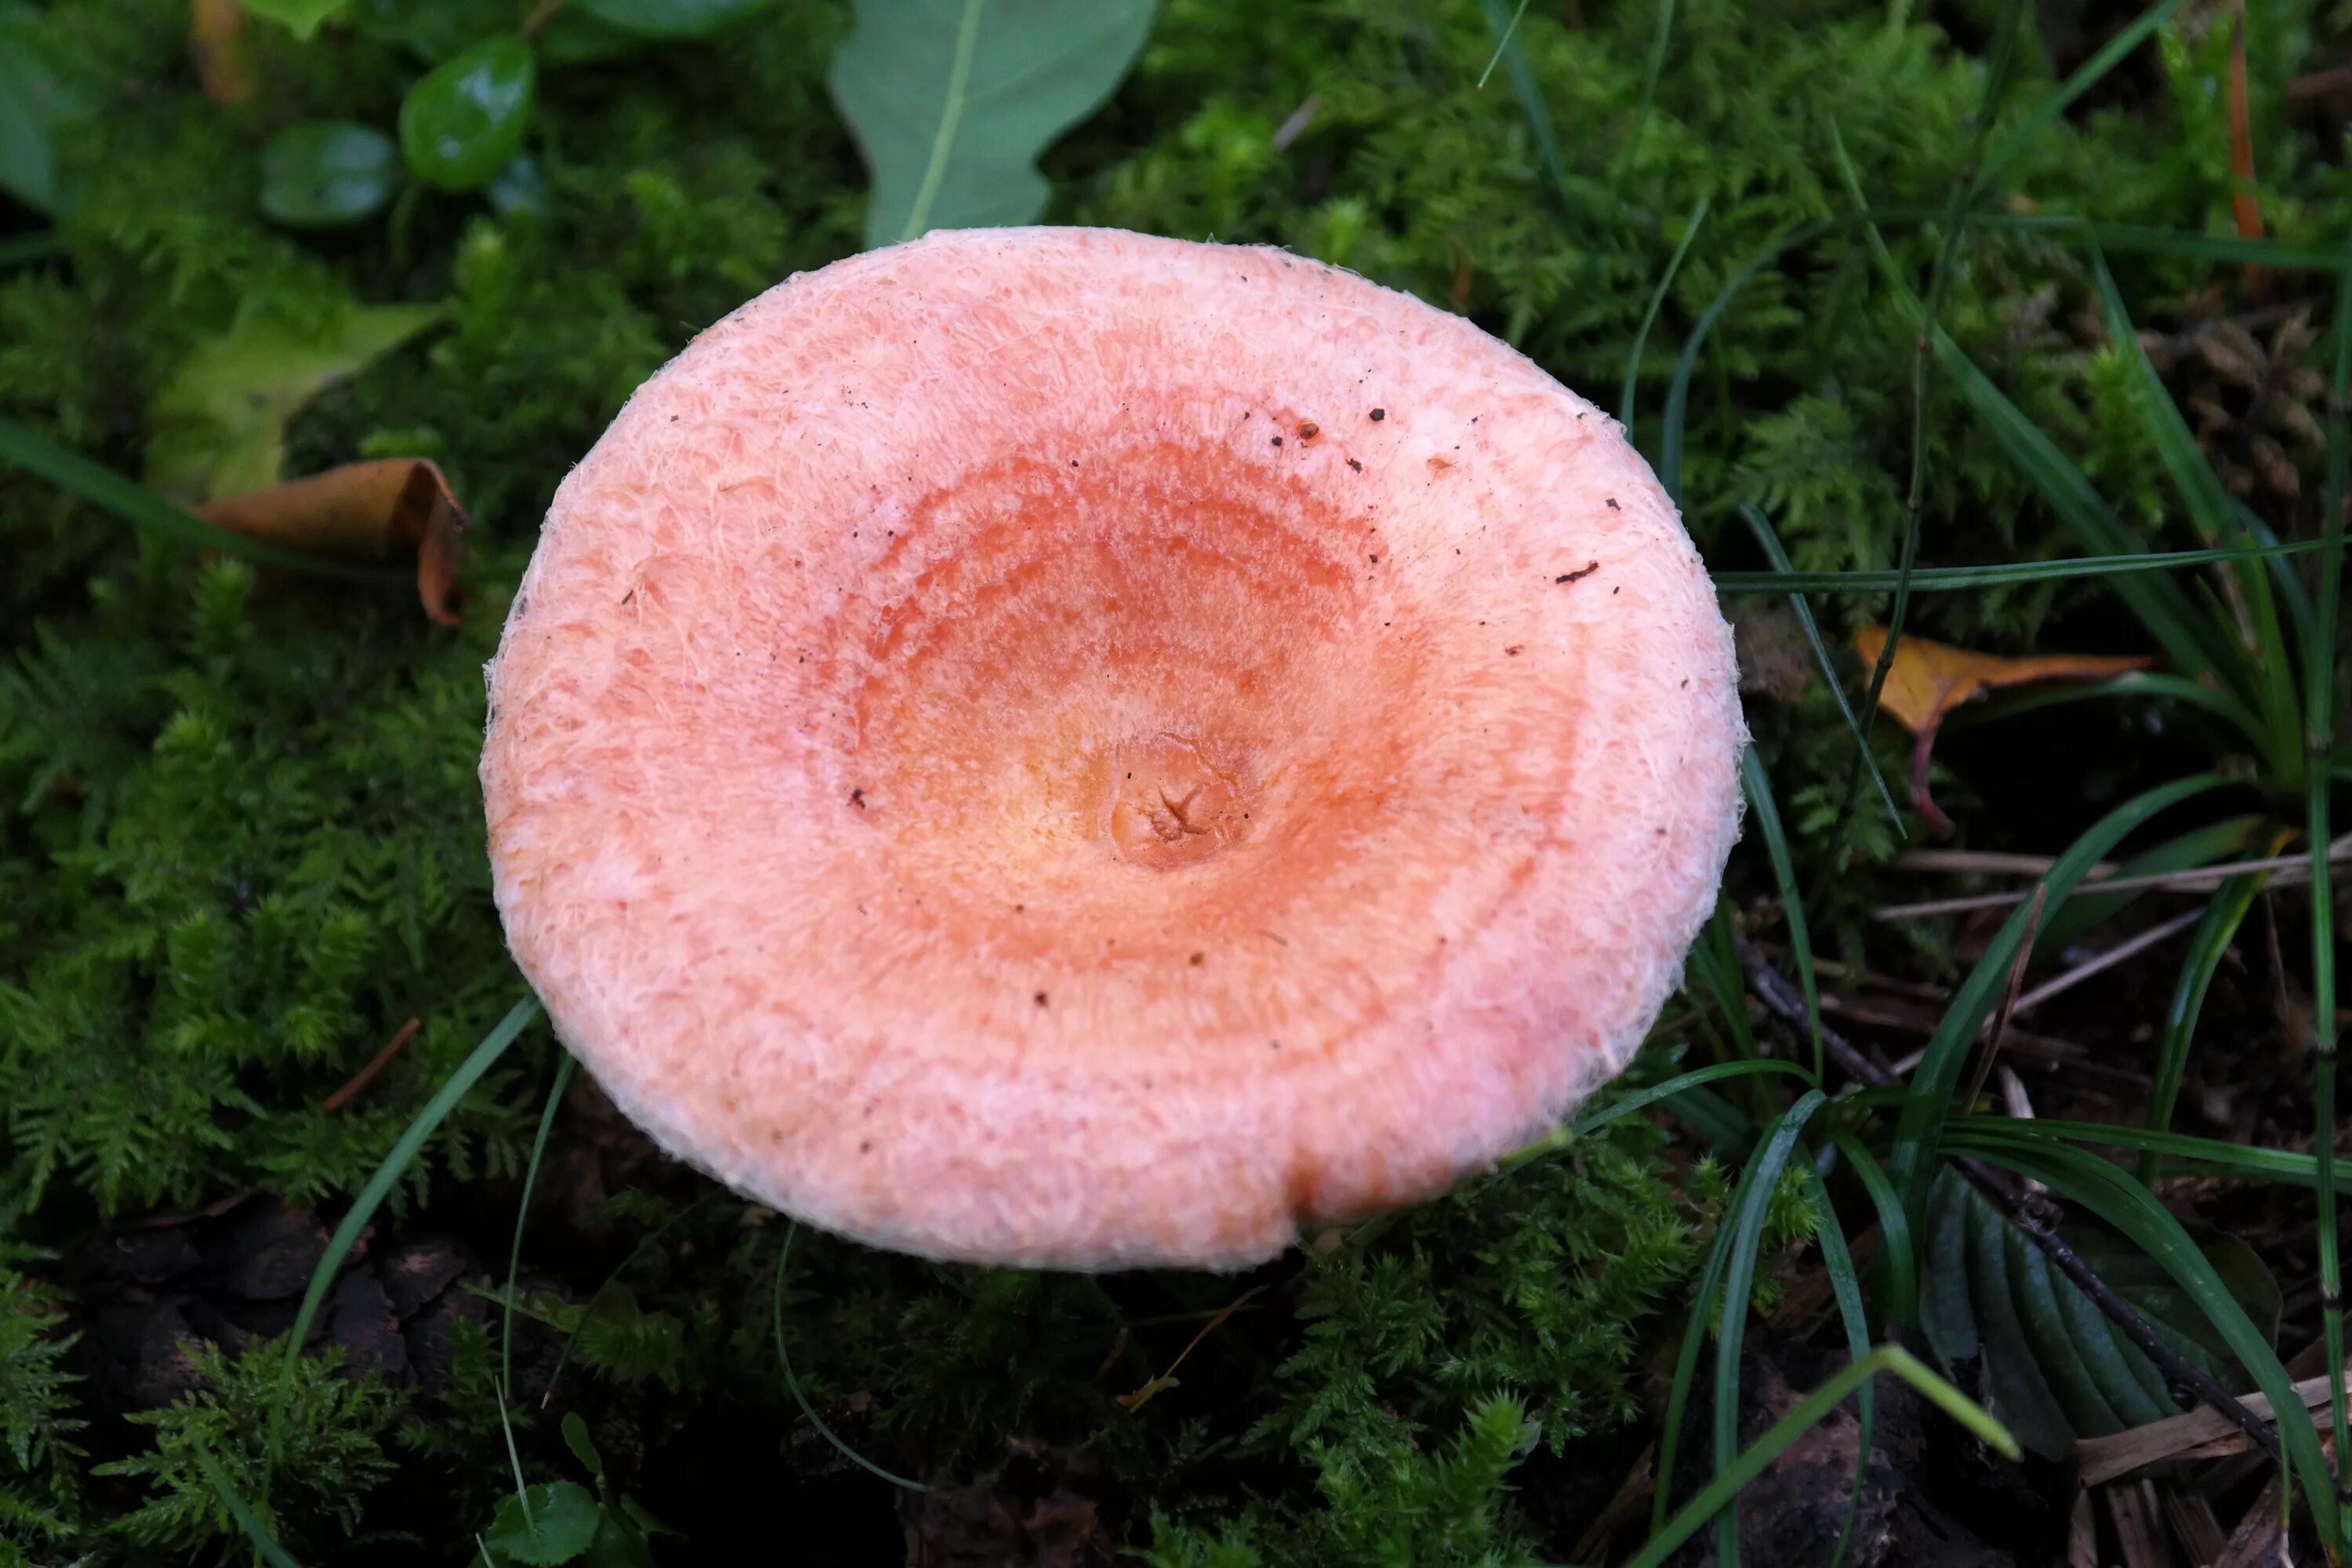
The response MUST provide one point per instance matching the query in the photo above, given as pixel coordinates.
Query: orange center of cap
(1172, 803)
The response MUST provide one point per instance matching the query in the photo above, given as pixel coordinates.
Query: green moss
(331, 1454)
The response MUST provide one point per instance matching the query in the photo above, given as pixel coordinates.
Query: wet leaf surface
(468, 116)
(323, 173)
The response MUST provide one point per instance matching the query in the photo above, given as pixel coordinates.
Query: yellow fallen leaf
(361, 511)
(1928, 680)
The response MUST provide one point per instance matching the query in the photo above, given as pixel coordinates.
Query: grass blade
(2178, 244)
(2132, 683)
(2319, 743)
(1710, 1286)
(2191, 851)
(783, 1359)
(1670, 439)
(1953, 579)
(1758, 785)
(2004, 51)
(1783, 568)
(1713, 960)
(2271, 680)
(1661, 35)
(1976, 1134)
(379, 1187)
(563, 1069)
(1649, 317)
(1900, 1300)
(138, 505)
(1815, 1406)
(2160, 605)
(1932, 1082)
(265, 1543)
(1756, 1184)
(1847, 1288)
(2088, 76)
(1530, 95)
(1641, 1100)
(1510, 33)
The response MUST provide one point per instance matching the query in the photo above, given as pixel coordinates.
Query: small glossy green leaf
(323, 173)
(34, 101)
(672, 19)
(575, 1437)
(301, 16)
(953, 100)
(218, 427)
(558, 1525)
(466, 118)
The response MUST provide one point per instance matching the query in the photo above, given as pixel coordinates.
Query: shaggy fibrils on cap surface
(1059, 747)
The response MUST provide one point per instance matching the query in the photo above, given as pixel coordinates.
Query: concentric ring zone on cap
(1057, 747)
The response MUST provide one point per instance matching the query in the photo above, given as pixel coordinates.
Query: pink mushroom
(1057, 747)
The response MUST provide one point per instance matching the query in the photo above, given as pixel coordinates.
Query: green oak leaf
(301, 16)
(323, 173)
(953, 100)
(218, 427)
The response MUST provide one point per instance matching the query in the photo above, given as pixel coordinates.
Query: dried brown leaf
(216, 47)
(383, 511)
(1928, 680)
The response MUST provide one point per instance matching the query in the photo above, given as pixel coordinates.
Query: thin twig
(1991, 863)
(2105, 961)
(381, 1060)
(2033, 1214)
(2008, 1009)
(2203, 879)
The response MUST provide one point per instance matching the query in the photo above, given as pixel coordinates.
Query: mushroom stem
(2033, 1213)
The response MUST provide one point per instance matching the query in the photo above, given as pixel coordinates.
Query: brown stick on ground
(382, 1060)
(2031, 1213)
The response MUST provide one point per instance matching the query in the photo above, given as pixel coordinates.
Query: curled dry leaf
(216, 47)
(362, 511)
(1928, 680)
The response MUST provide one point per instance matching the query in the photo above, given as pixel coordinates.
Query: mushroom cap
(1064, 748)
